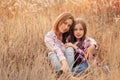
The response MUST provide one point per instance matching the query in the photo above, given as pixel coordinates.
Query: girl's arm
(69, 44)
(93, 43)
(90, 52)
(92, 48)
(77, 49)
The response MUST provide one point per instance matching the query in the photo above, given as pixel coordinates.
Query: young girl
(84, 46)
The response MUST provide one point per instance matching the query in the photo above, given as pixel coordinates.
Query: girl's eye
(75, 29)
(81, 29)
(78, 29)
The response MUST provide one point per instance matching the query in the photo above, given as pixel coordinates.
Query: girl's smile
(78, 31)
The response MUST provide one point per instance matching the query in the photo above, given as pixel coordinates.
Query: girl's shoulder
(92, 41)
(89, 38)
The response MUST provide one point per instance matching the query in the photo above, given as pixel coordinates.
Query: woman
(61, 58)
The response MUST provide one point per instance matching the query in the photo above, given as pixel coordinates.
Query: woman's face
(78, 31)
(65, 25)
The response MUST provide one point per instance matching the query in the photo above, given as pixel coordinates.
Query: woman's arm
(53, 47)
(65, 66)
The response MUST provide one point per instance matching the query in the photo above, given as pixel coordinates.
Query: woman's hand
(65, 66)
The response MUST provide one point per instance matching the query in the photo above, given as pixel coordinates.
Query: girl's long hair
(72, 37)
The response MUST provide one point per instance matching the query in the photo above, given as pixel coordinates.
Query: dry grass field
(24, 23)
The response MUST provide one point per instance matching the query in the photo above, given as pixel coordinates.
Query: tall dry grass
(23, 25)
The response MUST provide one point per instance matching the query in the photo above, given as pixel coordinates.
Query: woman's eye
(69, 25)
(64, 22)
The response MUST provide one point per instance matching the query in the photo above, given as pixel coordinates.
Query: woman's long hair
(61, 18)
(73, 38)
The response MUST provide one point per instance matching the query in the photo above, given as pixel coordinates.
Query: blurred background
(24, 23)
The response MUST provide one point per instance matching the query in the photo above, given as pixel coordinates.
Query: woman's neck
(59, 35)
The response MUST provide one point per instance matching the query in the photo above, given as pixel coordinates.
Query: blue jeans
(81, 67)
(54, 60)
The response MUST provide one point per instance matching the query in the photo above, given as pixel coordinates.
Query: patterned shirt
(55, 45)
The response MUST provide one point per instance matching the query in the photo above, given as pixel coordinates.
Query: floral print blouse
(55, 45)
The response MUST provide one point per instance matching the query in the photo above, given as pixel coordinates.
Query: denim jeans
(80, 68)
(53, 58)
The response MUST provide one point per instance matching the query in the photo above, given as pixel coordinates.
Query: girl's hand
(90, 51)
(69, 44)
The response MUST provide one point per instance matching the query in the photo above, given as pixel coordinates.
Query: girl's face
(65, 25)
(78, 31)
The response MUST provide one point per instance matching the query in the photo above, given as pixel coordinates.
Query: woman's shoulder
(50, 33)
